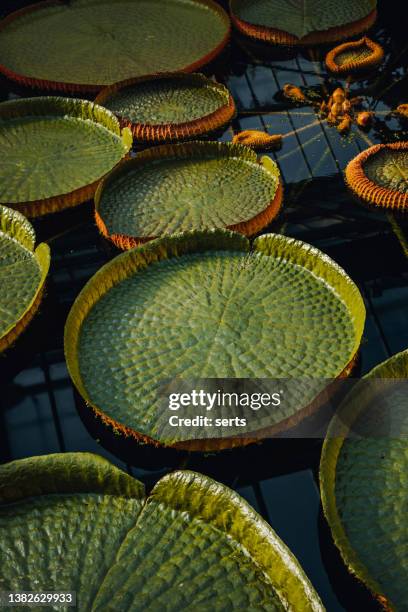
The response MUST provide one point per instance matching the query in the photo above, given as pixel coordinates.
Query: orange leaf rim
(402, 110)
(46, 84)
(26, 107)
(371, 61)
(209, 445)
(280, 37)
(248, 228)
(366, 189)
(169, 132)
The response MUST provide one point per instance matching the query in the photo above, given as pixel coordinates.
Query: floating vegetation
(256, 139)
(290, 23)
(184, 187)
(192, 295)
(169, 107)
(69, 145)
(180, 523)
(81, 46)
(357, 56)
(363, 481)
(23, 271)
(379, 175)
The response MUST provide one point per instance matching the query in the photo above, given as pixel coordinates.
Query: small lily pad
(379, 175)
(176, 188)
(169, 107)
(356, 56)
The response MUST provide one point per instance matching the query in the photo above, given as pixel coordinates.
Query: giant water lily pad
(169, 107)
(203, 305)
(55, 151)
(184, 187)
(364, 481)
(379, 175)
(82, 45)
(302, 22)
(23, 270)
(74, 522)
(359, 55)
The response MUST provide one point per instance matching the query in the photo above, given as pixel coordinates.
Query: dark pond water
(38, 413)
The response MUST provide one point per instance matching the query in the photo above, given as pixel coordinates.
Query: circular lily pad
(202, 305)
(83, 45)
(356, 56)
(364, 481)
(169, 107)
(23, 270)
(55, 151)
(192, 540)
(379, 175)
(302, 23)
(176, 188)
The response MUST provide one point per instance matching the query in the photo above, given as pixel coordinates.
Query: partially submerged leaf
(74, 522)
(302, 21)
(23, 270)
(55, 151)
(82, 45)
(175, 188)
(200, 305)
(364, 481)
(169, 107)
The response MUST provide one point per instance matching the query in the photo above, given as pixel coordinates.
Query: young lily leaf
(83, 45)
(364, 481)
(202, 305)
(55, 152)
(23, 270)
(176, 188)
(291, 22)
(379, 175)
(169, 107)
(74, 522)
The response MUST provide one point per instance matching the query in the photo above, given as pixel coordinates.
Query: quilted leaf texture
(176, 188)
(169, 107)
(201, 305)
(23, 270)
(55, 151)
(379, 175)
(86, 44)
(75, 522)
(302, 21)
(364, 481)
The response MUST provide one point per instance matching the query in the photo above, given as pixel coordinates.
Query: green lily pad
(184, 187)
(311, 20)
(202, 305)
(23, 270)
(55, 151)
(169, 107)
(364, 481)
(389, 169)
(75, 522)
(82, 45)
